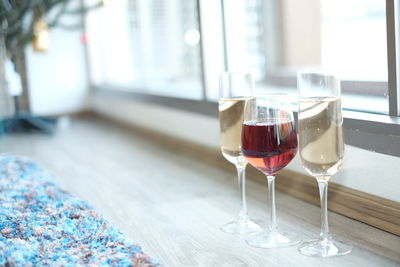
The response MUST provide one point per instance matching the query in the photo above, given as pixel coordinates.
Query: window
(275, 38)
(150, 46)
(178, 47)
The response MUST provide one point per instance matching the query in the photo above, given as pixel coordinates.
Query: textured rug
(42, 225)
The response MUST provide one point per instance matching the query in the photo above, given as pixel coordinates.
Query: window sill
(373, 132)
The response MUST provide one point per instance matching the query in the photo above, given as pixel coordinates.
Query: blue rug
(42, 225)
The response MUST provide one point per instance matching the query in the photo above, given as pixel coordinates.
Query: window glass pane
(245, 35)
(354, 39)
(275, 38)
(148, 45)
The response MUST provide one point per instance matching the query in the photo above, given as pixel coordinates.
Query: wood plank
(370, 209)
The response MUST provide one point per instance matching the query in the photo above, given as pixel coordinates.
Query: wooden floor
(173, 205)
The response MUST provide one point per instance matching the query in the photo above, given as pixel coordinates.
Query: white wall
(363, 170)
(57, 79)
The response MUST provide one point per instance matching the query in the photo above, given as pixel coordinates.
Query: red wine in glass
(269, 145)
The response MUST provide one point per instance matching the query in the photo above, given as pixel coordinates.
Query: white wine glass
(321, 148)
(235, 87)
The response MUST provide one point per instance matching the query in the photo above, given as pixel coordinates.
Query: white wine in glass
(235, 87)
(321, 145)
(231, 118)
(321, 148)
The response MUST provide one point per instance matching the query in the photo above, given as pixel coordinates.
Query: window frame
(378, 132)
(393, 45)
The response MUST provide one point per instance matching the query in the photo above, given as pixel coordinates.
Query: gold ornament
(40, 41)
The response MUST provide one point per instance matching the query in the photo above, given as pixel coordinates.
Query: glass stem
(271, 189)
(323, 193)
(241, 171)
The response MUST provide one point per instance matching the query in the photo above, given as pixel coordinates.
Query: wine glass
(321, 147)
(269, 143)
(234, 88)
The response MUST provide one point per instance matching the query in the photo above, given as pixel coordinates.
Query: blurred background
(67, 50)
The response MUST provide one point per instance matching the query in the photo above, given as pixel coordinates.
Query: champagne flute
(269, 143)
(234, 88)
(321, 148)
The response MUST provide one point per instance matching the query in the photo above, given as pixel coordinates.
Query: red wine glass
(269, 143)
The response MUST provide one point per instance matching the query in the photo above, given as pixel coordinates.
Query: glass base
(323, 248)
(273, 239)
(247, 226)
